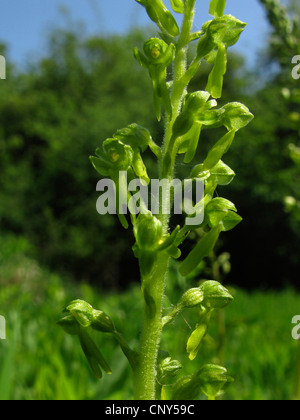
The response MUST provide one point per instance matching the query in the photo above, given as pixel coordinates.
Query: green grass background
(39, 361)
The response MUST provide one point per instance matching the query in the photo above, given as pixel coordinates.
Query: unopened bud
(215, 295)
(102, 322)
(192, 298)
(81, 311)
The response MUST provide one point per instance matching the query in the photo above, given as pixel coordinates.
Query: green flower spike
(156, 58)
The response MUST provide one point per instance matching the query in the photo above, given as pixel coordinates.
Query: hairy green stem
(145, 374)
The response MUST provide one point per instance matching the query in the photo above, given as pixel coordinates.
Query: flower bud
(213, 378)
(118, 154)
(168, 368)
(81, 311)
(159, 52)
(215, 295)
(192, 298)
(148, 231)
(102, 322)
(135, 136)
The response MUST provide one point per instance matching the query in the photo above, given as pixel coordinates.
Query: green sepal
(201, 250)
(93, 354)
(221, 174)
(194, 107)
(235, 116)
(185, 389)
(102, 322)
(216, 296)
(136, 136)
(230, 221)
(212, 379)
(191, 298)
(221, 212)
(225, 29)
(167, 368)
(81, 311)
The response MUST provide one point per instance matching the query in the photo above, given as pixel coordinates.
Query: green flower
(157, 56)
(114, 156)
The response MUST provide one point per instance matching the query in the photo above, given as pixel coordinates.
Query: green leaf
(177, 6)
(218, 150)
(195, 340)
(220, 203)
(201, 250)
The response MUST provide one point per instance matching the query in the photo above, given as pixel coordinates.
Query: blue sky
(24, 24)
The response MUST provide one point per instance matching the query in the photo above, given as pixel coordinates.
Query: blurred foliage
(58, 110)
(39, 362)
